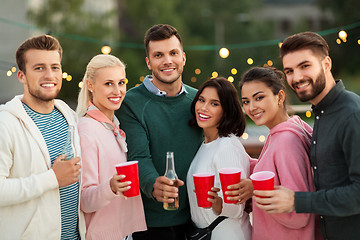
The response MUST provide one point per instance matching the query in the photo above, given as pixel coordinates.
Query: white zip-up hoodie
(29, 190)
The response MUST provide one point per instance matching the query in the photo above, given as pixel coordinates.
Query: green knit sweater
(155, 125)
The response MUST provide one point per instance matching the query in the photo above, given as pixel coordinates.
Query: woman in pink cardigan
(286, 152)
(108, 214)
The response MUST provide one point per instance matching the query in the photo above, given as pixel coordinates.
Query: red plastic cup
(263, 180)
(131, 172)
(229, 176)
(203, 183)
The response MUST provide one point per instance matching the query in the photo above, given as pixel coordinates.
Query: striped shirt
(54, 128)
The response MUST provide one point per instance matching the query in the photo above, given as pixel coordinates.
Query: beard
(41, 96)
(44, 97)
(317, 87)
(160, 79)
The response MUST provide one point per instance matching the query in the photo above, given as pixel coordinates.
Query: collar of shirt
(153, 89)
(329, 98)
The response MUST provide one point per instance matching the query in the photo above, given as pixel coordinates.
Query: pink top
(107, 215)
(286, 153)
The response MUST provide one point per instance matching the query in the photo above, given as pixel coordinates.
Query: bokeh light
(308, 114)
(250, 61)
(245, 136)
(224, 52)
(106, 49)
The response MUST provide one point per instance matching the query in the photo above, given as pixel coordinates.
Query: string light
(68, 78)
(9, 73)
(142, 78)
(193, 79)
(231, 79)
(250, 61)
(64, 75)
(214, 75)
(106, 49)
(80, 84)
(343, 35)
(126, 81)
(13, 69)
(270, 63)
(197, 71)
(224, 52)
(338, 41)
(196, 47)
(233, 71)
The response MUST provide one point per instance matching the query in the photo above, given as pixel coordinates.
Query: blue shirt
(54, 129)
(153, 89)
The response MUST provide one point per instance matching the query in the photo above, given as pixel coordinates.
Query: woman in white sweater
(216, 109)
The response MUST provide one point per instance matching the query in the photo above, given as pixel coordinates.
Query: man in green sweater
(155, 117)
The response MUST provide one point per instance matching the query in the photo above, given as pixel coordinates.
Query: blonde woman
(108, 214)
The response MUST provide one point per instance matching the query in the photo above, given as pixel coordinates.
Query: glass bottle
(171, 174)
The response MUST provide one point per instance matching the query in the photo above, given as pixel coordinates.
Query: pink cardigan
(107, 215)
(286, 153)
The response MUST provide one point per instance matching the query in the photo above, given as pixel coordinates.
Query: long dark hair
(233, 119)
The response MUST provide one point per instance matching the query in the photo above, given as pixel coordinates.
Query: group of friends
(52, 188)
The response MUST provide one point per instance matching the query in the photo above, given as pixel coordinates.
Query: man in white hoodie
(39, 193)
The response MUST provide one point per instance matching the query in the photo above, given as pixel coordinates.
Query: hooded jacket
(29, 190)
(286, 153)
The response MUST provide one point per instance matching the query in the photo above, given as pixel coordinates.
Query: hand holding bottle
(165, 189)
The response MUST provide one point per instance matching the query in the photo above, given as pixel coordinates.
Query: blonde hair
(97, 62)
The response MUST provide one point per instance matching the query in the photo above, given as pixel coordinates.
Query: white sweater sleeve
(18, 188)
(231, 153)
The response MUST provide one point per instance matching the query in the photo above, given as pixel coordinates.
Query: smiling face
(261, 105)
(305, 74)
(42, 78)
(166, 60)
(108, 89)
(209, 112)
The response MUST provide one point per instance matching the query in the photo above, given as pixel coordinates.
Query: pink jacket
(107, 215)
(286, 153)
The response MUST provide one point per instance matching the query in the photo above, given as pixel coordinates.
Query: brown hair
(42, 42)
(271, 77)
(160, 32)
(305, 40)
(233, 119)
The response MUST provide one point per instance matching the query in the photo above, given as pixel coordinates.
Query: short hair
(160, 32)
(42, 42)
(305, 40)
(97, 62)
(233, 119)
(271, 77)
